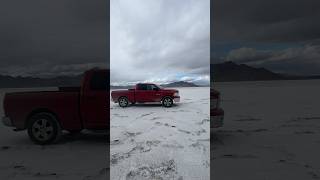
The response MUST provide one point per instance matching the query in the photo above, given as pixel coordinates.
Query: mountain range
(173, 84)
(221, 72)
(63, 81)
(24, 82)
(230, 71)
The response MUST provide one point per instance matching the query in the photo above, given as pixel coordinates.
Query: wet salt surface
(272, 131)
(153, 142)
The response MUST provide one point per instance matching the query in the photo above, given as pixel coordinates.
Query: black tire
(167, 102)
(123, 102)
(44, 128)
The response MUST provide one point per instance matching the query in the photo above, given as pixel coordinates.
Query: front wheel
(167, 102)
(44, 128)
(123, 102)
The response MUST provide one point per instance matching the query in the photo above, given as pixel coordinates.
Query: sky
(159, 41)
(44, 38)
(282, 36)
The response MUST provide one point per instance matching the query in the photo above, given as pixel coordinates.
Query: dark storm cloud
(52, 37)
(281, 35)
(295, 61)
(266, 20)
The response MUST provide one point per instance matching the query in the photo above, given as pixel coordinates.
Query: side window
(99, 81)
(152, 87)
(142, 87)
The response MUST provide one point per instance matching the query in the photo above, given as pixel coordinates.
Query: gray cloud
(266, 21)
(159, 40)
(280, 35)
(248, 55)
(40, 37)
(297, 61)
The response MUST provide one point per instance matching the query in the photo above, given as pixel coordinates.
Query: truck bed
(19, 106)
(116, 94)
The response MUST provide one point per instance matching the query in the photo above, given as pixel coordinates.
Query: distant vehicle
(144, 93)
(46, 113)
(216, 113)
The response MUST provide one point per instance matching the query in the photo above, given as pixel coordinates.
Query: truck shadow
(217, 138)
(87, 138)
(220, 137)
(149, 105)
(93, 139)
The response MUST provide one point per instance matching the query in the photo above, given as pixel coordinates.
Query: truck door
(95, 105)
(141, 93)
(147, 93)
(154, 93)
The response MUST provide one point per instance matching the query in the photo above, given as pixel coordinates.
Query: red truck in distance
(44, 114)
(145, 93)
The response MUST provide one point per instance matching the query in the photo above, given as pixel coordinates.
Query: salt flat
(75, 157)
(272, 131)
(153, 142)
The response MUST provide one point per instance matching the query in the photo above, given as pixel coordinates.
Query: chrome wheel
(167, 102)
(42, 130)
(123, 102)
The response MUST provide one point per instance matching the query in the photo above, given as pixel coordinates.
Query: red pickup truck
(46, 113)
(146, 92)
(216, 113)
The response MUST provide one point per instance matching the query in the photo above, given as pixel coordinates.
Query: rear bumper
(216, 118)
(7, 121)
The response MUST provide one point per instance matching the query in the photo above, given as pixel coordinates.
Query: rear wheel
(167, 102)
(123, 102)
(44, 128)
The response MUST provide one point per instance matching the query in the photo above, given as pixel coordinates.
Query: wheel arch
(166, 97)
(123, 96)
(41, 110)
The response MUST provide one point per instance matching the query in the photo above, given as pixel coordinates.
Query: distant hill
(222, 72)
(24, 82)
(60, 81)
(180, 84)
(173, 84)
(120, 87)
(230, 71)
